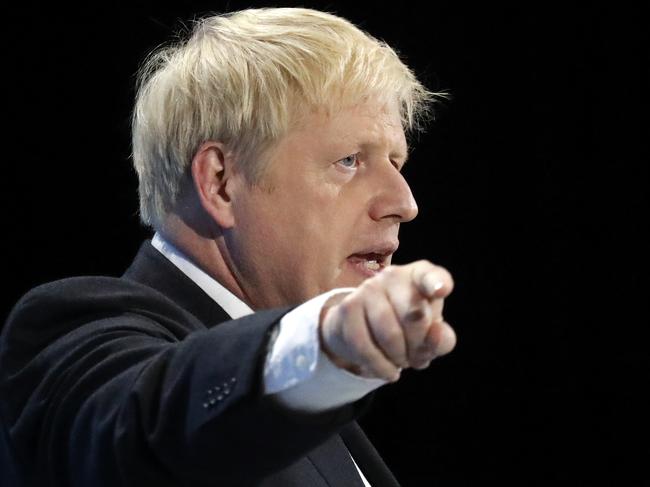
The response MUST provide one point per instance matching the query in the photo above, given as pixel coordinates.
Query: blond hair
(242, 79)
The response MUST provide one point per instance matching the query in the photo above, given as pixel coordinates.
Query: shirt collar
(231, 304)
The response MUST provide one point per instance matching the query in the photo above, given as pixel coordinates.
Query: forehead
(363, 126)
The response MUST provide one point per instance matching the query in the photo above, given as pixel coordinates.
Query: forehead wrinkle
(381, 131)
(385, 137)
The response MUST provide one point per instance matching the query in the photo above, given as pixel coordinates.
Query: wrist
(333, 357)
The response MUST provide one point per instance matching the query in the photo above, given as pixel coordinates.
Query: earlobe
(211, 173)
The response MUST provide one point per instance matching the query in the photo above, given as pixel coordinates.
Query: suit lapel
(332, 458)
(367, 458)
(333, 462)
(153, 269)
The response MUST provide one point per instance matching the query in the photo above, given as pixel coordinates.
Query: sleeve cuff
(299, 374)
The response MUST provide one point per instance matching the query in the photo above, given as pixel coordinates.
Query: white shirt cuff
(299, 374)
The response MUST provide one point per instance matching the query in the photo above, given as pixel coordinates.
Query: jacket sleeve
(99, 394)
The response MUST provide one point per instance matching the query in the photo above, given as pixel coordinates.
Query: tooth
(372, 265)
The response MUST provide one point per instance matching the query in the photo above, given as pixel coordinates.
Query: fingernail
(427, 348)
(424, 366)
(415, 314)
(431, 284)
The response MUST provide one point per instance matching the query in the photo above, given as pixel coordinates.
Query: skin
(333, 189)
(321, 204)
(392, 321)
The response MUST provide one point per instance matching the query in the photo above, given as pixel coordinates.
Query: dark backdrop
(532, 186)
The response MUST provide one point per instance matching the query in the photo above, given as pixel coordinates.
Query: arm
(125, 399)
(339, 346)
(297, 371)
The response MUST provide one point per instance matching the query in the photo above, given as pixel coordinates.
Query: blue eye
(349, 162)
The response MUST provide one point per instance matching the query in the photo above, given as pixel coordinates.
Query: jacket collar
(154, 270)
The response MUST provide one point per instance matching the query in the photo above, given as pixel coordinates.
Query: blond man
(250, 332)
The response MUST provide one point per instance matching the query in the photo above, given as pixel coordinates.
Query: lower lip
(360, 267)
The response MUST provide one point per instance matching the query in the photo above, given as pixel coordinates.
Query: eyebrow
(404, 156)
(399, 154)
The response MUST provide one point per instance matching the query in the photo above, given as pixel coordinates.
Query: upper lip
(381, 249)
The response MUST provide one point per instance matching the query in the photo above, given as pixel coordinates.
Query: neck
(205, 246)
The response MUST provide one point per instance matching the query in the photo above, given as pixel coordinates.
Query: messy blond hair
(242, 79)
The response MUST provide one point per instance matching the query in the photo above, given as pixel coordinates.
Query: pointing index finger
(430, 280)
(427, 281)
(430, 283)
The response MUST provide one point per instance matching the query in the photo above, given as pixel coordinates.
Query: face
(328, 210)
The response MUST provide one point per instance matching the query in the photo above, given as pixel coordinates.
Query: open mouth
(370, 263)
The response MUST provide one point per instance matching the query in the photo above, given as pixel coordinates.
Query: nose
(394, 199)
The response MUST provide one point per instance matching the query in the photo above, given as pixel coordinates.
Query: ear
(212, 172)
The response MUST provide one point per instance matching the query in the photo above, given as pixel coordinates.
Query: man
(268, 148)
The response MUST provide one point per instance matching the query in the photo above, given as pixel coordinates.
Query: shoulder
(89, 296)
(91, 304)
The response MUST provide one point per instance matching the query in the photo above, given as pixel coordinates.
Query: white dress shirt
(296, 370)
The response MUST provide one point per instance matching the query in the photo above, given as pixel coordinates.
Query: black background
(532, 187)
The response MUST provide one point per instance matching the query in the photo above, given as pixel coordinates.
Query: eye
(349, 162)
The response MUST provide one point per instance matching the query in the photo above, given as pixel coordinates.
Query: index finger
(431, 281)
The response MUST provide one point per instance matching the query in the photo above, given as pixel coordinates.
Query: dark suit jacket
(143, 380)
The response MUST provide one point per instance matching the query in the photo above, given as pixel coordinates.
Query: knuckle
(343, 310)
(423, 266)
(350, 302)
(363, 350)
(383, 313)
(417, 316)
(391, 336)
(355, 339)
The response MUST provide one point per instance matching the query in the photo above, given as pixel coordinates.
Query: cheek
(305, 225)
(280, 231)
